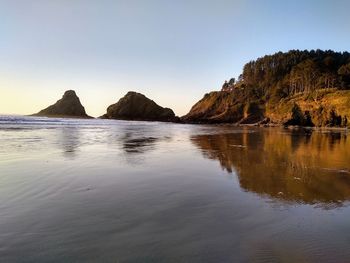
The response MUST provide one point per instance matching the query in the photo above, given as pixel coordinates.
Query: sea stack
(69, 106)
(136, 106)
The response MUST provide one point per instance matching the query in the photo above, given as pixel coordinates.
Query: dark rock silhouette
(69, 106)
(136, 106)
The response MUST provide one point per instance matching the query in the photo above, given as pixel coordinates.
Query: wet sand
(118, 191)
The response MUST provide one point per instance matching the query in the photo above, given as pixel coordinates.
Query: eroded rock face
(223, 107)
(136, 106)
(332, 108)
(69, 106)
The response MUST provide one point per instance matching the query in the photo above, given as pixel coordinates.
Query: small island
(67, 107)
(136, 106)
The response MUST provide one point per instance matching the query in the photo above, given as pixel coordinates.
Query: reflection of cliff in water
(292, 166)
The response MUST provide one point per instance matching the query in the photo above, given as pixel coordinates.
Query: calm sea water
(117, 191)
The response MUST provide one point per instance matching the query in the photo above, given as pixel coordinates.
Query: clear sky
(173, 51)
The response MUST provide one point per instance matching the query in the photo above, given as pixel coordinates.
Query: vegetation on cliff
(136, 106)
(69, 106)
(273, 87)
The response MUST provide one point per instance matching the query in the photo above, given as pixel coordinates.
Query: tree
(298, 71)
(344, 72)
(334, 119)
(297, 117)
(307, 119)
(345, 121)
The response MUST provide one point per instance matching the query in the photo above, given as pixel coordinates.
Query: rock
(303, 88)
(331, 109)
(69, 106)
(136, 106)
(223, 107)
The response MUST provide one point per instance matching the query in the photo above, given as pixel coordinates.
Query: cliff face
(326, 108)
(224, 107)
(69, 106)
(135, 106)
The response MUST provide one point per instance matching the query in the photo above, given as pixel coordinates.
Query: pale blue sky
(172, 51)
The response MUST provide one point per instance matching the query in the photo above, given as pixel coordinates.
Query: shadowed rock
(68, 106)
(135, 106)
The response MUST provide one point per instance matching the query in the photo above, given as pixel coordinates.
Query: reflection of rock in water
(135, 139)
(141, 138)
(135, 146)
(290, 166)
(69, 141)
(132, 144)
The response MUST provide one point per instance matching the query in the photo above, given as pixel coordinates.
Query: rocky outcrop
(69, 106)
(136, 106)
(224, 107)
(304, 88)
(329, 107)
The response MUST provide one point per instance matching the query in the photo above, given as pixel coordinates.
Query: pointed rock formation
(136, 106)
(68, 106)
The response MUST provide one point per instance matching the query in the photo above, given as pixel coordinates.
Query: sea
(77, 190)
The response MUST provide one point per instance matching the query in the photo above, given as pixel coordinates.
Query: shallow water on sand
(117, 191)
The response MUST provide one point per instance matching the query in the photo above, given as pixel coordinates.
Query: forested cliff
(310, 88)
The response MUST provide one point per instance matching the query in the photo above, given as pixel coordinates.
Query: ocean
(75, 190)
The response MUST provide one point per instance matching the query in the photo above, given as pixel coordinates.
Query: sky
(171, 51)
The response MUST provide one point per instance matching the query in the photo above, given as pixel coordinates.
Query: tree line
(286, 74)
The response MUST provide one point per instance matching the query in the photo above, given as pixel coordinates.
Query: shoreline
(258, 125)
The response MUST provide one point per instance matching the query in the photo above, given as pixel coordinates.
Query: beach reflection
(291, 166)
(138, 144)
(69, 141)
